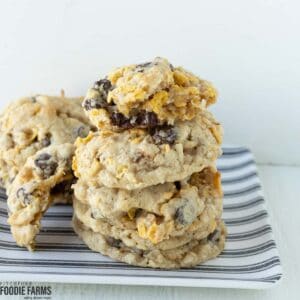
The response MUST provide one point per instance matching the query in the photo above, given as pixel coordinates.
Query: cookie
(188, 255)
(201, 227)
(147, 95)
(138, 158)
(157, 212)
(43, 178)
(33, 123)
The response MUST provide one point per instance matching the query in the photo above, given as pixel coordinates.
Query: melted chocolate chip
(147, 119)
(116, 243)
(44, 156)
(11, 180)
(144, 65)
(177, 185)
(46, 141)
(45, 165)
(138, 212)
(118, 119)
(90, 104)
(139, 156)
(23, 196)
(180, 215)
(164, 134)
(103, 84)
(143, 119)
(141, 67)
(214, 236)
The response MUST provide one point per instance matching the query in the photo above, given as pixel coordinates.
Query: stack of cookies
(148, 191)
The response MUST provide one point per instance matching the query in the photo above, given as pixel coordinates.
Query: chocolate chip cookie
(43, 178)
(137, 158)
(33, 123)
(147, 95)
(158, 212)
(187, 255)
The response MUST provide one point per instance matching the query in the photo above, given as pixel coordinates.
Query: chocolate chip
(11, 180)
(177, 185)
(23, 196)
(46, 166)
(141, 67)
(185, 214)
(138, 157)
(146, 119)
(144, 65)
(81, 131)
(116, 243)
(46, 141)
(138, 212)
(44, 156)
(103, 84)
(118, 119)
(33, 99)
(164, 134)
(180, 215)
(89, 104)
(143, 119)
(171, 67)
(214, 236)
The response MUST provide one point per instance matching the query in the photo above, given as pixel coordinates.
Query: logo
(29, 290)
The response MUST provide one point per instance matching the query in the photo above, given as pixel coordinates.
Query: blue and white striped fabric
(250, 259)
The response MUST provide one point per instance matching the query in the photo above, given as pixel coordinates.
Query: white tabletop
(280, 185)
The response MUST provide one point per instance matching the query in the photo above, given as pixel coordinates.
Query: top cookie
(33, 123)
(147, 95)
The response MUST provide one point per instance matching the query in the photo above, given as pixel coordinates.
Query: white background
(249, 49)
